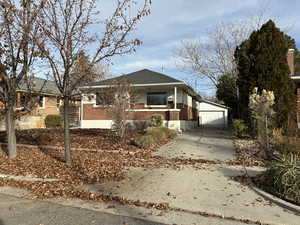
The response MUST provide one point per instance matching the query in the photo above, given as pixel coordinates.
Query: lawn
(87, 166)
(80, 138)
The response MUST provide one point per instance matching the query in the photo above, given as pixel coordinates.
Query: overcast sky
(172, 21)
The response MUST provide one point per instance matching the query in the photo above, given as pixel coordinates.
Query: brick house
(296, 78)
(156, 94)
(49, 103)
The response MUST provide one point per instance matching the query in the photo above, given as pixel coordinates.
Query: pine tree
(227, 92)
(262, 63)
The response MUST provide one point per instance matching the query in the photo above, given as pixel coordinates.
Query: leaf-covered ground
(248, 152)
(87, 166)
(80, 138)
(95, 166)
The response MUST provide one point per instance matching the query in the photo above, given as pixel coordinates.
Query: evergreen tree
(227, 92)
(262, 63)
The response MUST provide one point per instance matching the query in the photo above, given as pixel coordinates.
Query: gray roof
(145, 77)
(214, 103)
(41, 85)
(140, 77)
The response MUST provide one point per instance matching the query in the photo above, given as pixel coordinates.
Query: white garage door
(212, 118)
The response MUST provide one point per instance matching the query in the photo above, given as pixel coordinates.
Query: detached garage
(212, 114)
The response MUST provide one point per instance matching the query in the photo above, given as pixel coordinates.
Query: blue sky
(172, 21)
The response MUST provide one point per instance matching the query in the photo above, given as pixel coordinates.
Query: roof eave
(134, 85)
(216, 104)
(39, 92)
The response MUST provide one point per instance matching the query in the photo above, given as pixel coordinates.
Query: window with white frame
(103, 99)
(156, 98)
(42, 101)
(58, 102)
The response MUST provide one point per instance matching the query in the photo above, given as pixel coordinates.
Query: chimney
(290, 60)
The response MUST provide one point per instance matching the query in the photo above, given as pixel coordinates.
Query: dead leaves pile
(87, 167)
(247, 153)
(80, 138)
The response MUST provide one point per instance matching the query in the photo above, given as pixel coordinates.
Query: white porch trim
(175, 97)
(154, 110)
(172, 124)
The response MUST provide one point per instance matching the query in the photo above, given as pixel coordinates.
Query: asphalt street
(17, 211)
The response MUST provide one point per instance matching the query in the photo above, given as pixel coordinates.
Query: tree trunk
(68, 158)
(11, 133)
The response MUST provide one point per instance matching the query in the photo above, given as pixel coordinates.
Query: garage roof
(213, 103)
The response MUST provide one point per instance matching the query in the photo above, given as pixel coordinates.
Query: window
(103, 99)
(22, 100)
(157, 98)
(41, 101)
(58, 102)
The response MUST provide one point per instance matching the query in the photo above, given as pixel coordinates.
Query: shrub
(156, 133)
(239, 128)
(283, 176)
(144, 141)
(156, 120)
(54, 121)
(160, 133)
(140, 125)
(153, 135)
(168, 132)
(285, 144)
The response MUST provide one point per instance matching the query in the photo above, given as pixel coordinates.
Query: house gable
(179, 108)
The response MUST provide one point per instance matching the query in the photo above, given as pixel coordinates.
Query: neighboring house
(49, 100)
(156, 94)
(212, 114)
(49, 103)
(296, 79)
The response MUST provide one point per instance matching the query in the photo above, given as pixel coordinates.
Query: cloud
(146, 63)
(173, 21)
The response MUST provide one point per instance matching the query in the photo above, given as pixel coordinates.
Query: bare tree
(122, 99)
(68, 24)
(19, 33)
(214, 56)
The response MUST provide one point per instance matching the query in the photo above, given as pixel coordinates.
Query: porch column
(175, 97)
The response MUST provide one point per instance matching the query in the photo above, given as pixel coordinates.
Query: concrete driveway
(209, 144)
(204, 187)
(193, 190)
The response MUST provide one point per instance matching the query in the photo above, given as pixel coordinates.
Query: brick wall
(187, 112)
(95, 113)
(298, 102)
(90, 112)
(50, 106)
(147, 115)
(100, 113)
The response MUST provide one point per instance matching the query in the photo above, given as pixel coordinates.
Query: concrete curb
(74, 149)
(278, 201)
(24, 178)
